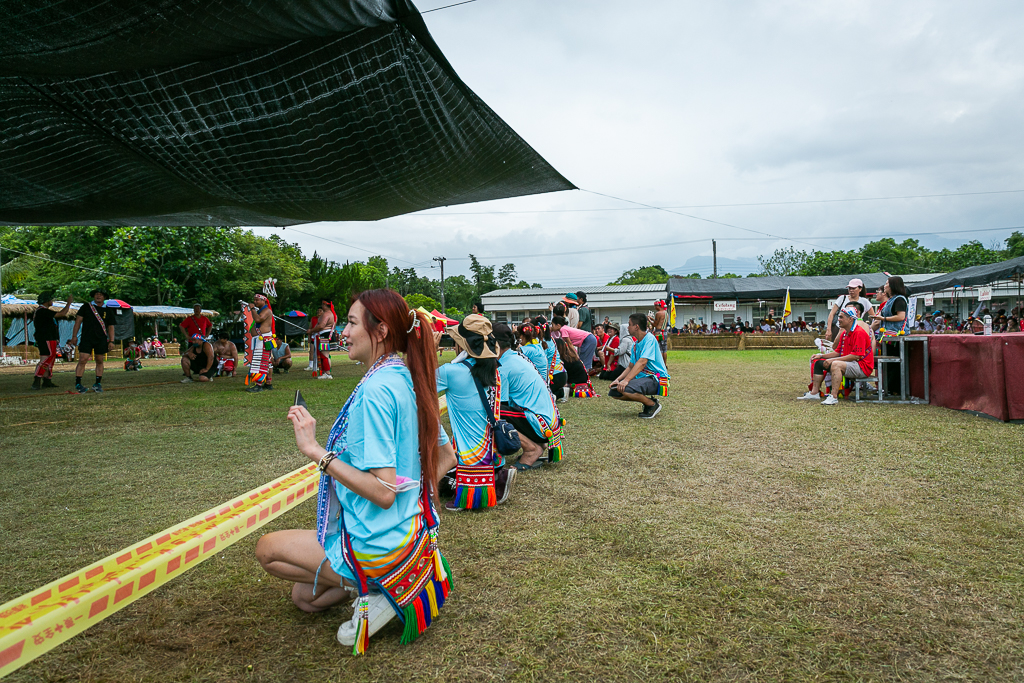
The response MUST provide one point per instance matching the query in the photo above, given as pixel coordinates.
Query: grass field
(741, 535)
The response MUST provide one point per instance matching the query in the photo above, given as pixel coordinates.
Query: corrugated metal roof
(548, 291)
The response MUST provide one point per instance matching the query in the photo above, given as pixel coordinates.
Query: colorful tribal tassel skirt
(474, 487)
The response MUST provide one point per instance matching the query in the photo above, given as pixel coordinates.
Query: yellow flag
(788, 310)
(672, 317)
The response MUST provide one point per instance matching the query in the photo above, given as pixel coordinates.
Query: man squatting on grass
(198, 361)
(227, 355)
(853, 358)
(646, 375)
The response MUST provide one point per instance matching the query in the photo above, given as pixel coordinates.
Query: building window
(810, 317)
(501, 317)
(728, 318)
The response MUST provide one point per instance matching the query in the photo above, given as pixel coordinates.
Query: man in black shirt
(46, 339)
(198, 361)
(97, 325)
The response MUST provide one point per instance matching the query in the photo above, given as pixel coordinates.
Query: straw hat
(474, 334)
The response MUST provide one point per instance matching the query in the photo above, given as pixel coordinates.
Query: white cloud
(700, 103)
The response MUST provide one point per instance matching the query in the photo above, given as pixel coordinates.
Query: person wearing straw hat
(97, 325)
(481, 481)
(46, 339)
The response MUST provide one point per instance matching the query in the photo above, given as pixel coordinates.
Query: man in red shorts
(46, 339)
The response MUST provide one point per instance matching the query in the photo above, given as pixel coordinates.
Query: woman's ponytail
(409, 332)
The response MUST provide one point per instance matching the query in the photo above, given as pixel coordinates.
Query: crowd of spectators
(766, 325)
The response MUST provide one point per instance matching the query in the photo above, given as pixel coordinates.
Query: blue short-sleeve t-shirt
(522, 387)
(552, 352)
(465, 411)
(535, 354)
(382, 432)
(648, 348)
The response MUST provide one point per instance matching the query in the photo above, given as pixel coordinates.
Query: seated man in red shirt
(851, 358)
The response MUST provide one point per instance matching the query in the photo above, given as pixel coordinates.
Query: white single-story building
(616, 302)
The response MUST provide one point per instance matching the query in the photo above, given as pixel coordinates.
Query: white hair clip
(415, 323)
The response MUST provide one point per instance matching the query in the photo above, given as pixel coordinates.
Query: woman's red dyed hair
(388, 307)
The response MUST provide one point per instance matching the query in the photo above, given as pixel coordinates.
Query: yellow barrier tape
(41, 620)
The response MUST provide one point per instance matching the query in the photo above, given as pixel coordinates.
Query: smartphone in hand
(299, 401)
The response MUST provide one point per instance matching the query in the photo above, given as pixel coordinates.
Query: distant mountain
(705, 266)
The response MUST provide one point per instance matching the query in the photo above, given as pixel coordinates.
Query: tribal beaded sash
(327, 505)
(418, 587)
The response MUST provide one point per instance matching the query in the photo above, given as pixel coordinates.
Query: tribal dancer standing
(376, 532)
(320, 334)
(262, 343)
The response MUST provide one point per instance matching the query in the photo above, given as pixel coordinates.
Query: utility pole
(441, 260)
(714, 258)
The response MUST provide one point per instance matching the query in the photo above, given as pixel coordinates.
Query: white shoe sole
(808, 398)
(381, 613)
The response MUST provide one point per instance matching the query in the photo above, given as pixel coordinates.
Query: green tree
(421, 301)
(459, 292)
(1014, 245)
(483, 276)
(253, 259)
(783, 262)
(168, 265)
(646, 275)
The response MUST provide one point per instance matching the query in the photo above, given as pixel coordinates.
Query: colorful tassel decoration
(439, 570)
(662, 386)
(474, 487)
(362, 627)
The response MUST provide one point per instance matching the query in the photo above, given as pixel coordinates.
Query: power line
(352, 246)
(454, 4)
(72, 265)
(712, 206)
(737, 227)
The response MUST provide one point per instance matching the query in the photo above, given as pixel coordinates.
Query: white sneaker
(326, 375)
(808, 396)
(186, 380)
(308, 368)
(830, 400)
(381, 613)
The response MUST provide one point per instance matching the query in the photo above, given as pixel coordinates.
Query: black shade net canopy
(241, 112)
(972, 276)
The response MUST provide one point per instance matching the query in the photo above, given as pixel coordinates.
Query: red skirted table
(983, 374)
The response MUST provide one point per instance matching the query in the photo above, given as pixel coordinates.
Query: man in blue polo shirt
(647, 373)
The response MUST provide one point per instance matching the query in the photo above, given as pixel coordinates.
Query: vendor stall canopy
(973, 276)
(772, 287)
(241, 112)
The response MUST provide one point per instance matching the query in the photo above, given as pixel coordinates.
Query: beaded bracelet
(326, 461)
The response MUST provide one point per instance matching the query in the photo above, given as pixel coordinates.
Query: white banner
(725, 306)
(984, 294)
(929, 299)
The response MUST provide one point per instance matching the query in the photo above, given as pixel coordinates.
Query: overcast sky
(684, 104)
